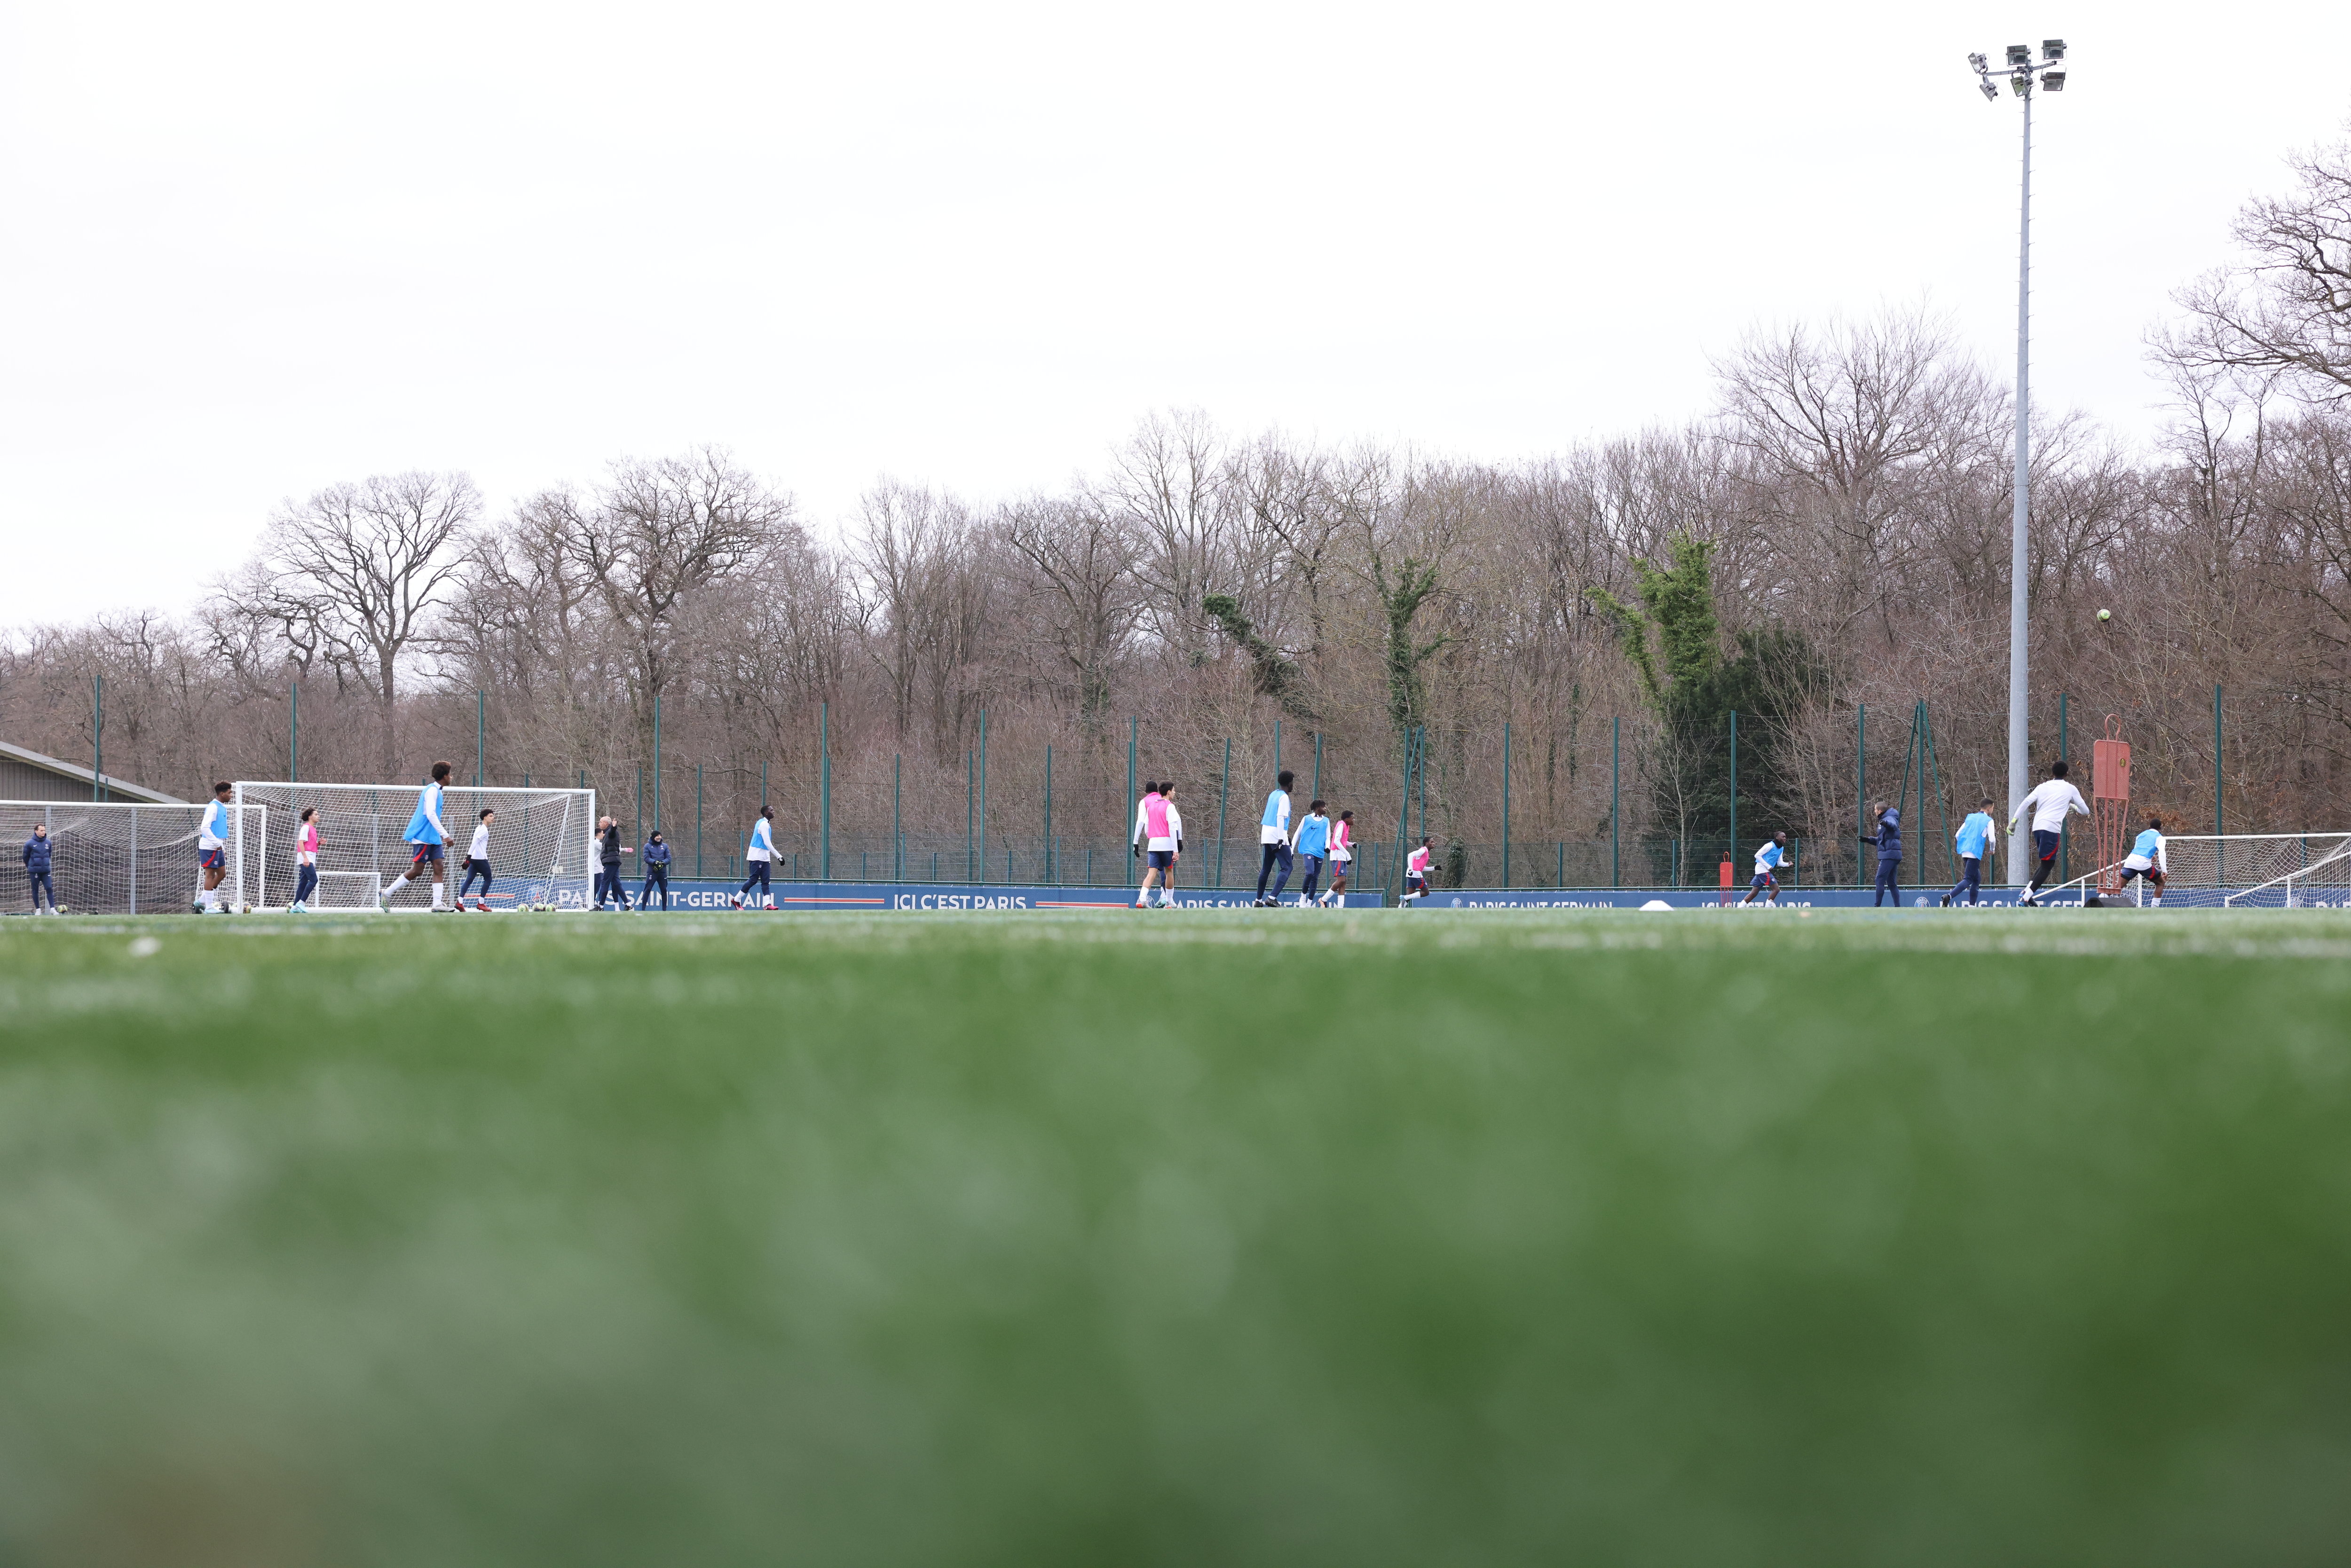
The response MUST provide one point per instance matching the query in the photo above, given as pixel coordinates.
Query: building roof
(115, 788)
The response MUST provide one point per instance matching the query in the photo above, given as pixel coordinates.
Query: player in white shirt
(2048, 805)
(477, 864)
(1342, 858)
(1769, 858)
(1273, 836)
(2149, 859)
(759, 858)
(1416, 875)
(1159, 838)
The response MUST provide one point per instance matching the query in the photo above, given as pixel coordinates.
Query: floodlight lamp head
(2019, 55)
(1978, 61)
(2053, 80)
(2020, 84)
(1992, 93)
(2052, 48)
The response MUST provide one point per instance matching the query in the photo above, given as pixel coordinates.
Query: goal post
(121, 858)
(541, 842)
(2260, 870)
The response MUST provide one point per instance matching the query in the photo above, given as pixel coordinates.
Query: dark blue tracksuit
(656, 863)
(1888, 840)
(38, 851)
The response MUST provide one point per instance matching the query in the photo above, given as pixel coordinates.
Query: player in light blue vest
(1313, 847)
(1768, 860)
(211, 850)
(2149, 859)
(1273, 834)
(429, 841)
(1977, 841)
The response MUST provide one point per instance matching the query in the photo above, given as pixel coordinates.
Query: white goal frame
(539, 864)
(124, 857)
(2261, 870)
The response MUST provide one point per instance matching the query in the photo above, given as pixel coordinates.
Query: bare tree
(2285, 310)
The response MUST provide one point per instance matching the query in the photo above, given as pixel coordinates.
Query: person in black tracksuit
(39, 849)
(657, 864)
(608, 884)
(1888, 840)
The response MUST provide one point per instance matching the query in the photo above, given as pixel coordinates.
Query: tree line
(1831, 533)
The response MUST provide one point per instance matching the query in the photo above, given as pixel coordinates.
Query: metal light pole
(2020, 74)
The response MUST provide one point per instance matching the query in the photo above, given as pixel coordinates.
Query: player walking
(1159, 839)
(212, 850)
(656, 863)
(1888, 840)
(607, 880)
(1343, 856)
(1313, 846)
(306, 861)
(428, 839)
(1273, 835)
(2050, 802)
(758, 860)
(1976, 842)
(1415, 873)
(477, 864)
(39, 849)
(2146, 858)
(1769, 858)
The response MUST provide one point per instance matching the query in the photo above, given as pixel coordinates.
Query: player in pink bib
(1159, 837)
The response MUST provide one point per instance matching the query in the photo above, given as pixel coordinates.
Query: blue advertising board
(906, 897)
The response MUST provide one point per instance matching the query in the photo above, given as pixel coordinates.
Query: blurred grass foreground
(1176, 1240)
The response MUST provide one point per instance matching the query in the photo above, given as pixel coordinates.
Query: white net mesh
(2323, 884)
(541, 843)
(115, 859)
(2235, 869)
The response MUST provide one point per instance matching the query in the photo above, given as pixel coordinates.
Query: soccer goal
(541, 843)
(2236, 871)
(122, 859)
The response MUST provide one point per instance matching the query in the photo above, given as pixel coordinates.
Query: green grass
(1176, 1240)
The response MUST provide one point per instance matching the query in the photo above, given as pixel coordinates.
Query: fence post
(698, 818)
(1403, 813)
(97, 739)
(824, 788)
(1276, 747)
(1616, 807)
(293, 743)
(983, 795)
(641, 806)
(1506, 804)
(478, 707)
(1734, 788)
(1861, 786)
(1561, 879)
(1420, 773)
(2220, 828)
(898, 829)
(969, 873)
(1049, 814)
(1132, 723)
(1316, 793)
(2064, 838)
(1224, 789)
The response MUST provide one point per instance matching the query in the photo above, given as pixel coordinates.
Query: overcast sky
(249, 250)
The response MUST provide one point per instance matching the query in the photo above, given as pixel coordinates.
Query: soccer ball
(2106, 615)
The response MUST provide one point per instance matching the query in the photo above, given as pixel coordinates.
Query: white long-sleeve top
(2050, 802)
(479, 849)
(1171, 821)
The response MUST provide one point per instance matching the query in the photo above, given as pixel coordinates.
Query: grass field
(1176, 1240)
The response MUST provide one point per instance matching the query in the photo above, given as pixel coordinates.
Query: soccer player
(2048, 806)
(1343, 856)
(758, 859)
(306, 860)
(1159, 838)
(1977, 841)
(477, 864)
(1888, 840)
(1769, 858)
(428, 839)
(212, 850)
(2146, 858)
(39, 849)
(656, 861)
(1415, 873)
(1312, 845)
(1273, 835)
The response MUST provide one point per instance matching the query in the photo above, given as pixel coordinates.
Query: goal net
(2236, 871)
(122, 859)
(541, 843)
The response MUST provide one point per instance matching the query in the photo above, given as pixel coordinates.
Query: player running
(212, 850)
(306, 862)
(656, 863)
(2147, 859)
(1343, 856)
(1159, 839)
(1976, 842)
(38, 850)
(428, 839)
(1313, 846)
(477, 864)
(1415, 873)
(2050, 802)
(758, 862)
(1273, 835)
(1888, 840)
(1769, 858)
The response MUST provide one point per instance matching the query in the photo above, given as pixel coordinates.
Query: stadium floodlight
(2023, 77)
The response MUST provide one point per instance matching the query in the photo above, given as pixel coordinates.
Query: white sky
(248, 250)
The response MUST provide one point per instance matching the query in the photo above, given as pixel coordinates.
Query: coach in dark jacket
(38, 851)
(1888, 840)
(608, 884)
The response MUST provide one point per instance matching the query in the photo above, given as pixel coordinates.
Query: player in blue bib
(428, 843)
(212, 850)
(2148, 860)
(1977, 842)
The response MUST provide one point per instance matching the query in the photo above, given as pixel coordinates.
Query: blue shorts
(1160, 860)
(425, 854)
(2044, 845)
(212, 859)
(1412, 883)
(1763, 880)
